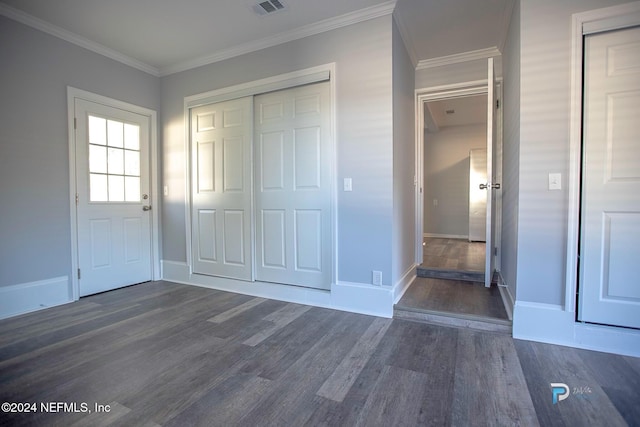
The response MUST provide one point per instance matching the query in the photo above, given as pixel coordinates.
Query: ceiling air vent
(268, 6)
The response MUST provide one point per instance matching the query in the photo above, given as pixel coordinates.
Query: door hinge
(75, 123)
(77, 199)
(78, 274)
(495, 251)
(497, 104)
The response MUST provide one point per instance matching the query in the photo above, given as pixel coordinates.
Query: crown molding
(459, 57)
(347, 19)
(46, 27)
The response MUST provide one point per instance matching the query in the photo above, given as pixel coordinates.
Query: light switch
(555, 181)
(348, 185)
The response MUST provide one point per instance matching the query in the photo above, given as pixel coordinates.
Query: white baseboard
(27, 297)
(447, 236)
(505, 293)
(362, 298)
(353, 297)
(403, 284)
(552, 324)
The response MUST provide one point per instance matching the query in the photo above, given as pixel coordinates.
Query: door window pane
(114, 170)
(116, 161)
(116, 188)
(97, 131)
(114, 132)
(131, 137)
(132, 163)
(132, 188)
(97, 159)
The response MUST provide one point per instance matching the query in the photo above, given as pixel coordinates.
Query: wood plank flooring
(447, 289)
(453, 254)
(163, 354)
(453, 296)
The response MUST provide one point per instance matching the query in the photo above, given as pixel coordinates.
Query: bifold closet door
(221, 194)
(292, 191)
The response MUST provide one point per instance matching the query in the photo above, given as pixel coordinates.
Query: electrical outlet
(377, 278)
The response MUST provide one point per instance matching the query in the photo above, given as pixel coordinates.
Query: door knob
(146, 208)
(483, 186)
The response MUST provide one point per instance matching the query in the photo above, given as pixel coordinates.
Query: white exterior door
(221, 194)
(491, 185)
(609, 288)
(292, 192)
(112, 197)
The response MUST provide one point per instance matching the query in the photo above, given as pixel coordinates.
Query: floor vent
(269, 6)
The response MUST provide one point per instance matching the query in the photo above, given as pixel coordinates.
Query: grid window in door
(114, 160)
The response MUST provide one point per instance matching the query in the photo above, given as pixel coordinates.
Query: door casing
(424, 95)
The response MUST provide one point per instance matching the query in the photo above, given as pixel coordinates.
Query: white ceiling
(164, 36)
(468, 110)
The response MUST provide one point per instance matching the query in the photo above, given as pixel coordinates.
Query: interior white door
(477, 197)
(221, 194)
(112, 197)
(609, 289)
(292, 193)
(491, 186)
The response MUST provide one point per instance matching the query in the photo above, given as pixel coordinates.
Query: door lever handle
(485, 186)
(146, 208)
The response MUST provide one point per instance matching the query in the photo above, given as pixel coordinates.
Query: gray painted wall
(34, 156)
(446, 177)
(511, 152)
(363, 57)
(404, 229)
(545, 65)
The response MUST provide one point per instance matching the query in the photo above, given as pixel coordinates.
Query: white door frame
(72, 95)
(609, 18)
(316, 74)
(477, 87)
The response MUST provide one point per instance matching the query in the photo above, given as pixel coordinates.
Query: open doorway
(458, 133)
(455, 158)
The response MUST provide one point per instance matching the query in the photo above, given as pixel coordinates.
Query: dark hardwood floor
(175, 355)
